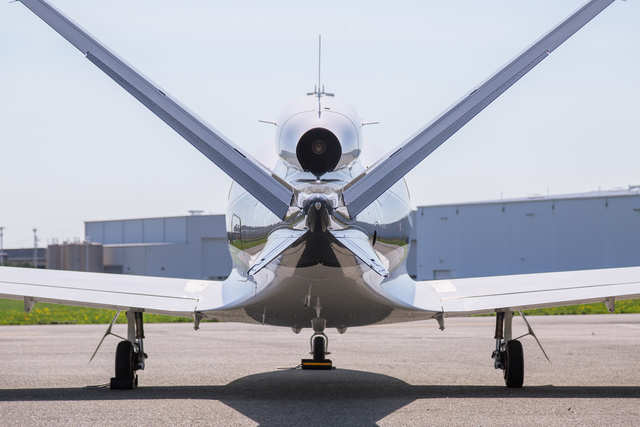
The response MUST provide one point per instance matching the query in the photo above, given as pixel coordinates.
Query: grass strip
(12, 313)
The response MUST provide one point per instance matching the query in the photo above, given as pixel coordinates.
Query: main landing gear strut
(319, 345)
(508, 354)
(130, 355)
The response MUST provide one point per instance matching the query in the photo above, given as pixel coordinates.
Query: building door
(442, 274)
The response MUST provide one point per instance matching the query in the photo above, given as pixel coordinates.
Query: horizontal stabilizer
(269, 189)
(366, 188)
(278, 242)
(357, 242)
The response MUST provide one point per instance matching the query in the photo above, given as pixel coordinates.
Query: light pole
(1, 245)
(35, 248)
(87, 242)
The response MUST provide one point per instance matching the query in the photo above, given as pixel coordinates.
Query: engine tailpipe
(318, 151)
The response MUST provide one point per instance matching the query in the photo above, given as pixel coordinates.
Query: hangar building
(192, 246)
(527, 235)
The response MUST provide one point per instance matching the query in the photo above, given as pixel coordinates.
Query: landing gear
(130, 355)
(513, 364)
(126, 377)
(508, 354)
(319, 346)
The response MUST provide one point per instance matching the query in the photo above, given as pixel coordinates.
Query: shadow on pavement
(312, 397)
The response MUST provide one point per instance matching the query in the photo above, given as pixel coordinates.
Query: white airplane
(320, 241)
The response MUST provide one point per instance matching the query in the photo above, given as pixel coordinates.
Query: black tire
(318, 348)
(514, 364)
(124, 360)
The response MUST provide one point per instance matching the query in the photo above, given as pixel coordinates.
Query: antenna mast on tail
(318, 90)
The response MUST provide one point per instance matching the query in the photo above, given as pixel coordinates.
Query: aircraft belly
(317, 270)
(346, 294)
(340, 293)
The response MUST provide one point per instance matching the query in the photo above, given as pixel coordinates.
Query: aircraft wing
(273, 192)
(178, 297)
(463, 297)
(366, 188)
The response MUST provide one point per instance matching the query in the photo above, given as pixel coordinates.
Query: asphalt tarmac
(405, 374)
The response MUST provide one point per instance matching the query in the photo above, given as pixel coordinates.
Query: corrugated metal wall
(187, 246)
(528, 236)
(464, 240)
(146, 230)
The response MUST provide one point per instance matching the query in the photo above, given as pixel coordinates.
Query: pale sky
(76, 147)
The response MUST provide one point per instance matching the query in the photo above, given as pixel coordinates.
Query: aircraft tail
(278, 242)
(357, 243)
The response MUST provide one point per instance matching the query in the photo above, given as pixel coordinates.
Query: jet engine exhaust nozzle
(318, 151)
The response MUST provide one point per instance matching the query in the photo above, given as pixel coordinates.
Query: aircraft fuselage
(318, 271)
(317, 277)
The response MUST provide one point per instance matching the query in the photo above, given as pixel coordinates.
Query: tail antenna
(320, 62)
(318, 90)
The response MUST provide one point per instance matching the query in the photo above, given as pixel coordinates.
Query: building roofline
(633, 190)
(153, 217)
(141, 244)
